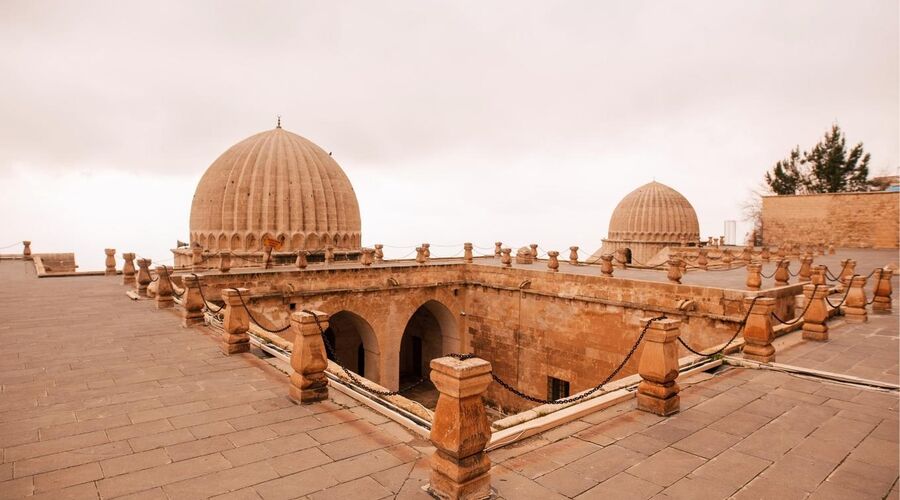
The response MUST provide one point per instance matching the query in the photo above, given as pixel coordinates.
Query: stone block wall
(849, 220)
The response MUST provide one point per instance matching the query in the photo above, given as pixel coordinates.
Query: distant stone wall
(851, 220)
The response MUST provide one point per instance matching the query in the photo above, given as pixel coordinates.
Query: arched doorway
(430, 333)
(355, 344)
(628, 256)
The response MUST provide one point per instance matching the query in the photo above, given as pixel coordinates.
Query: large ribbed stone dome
(275, 184)
(654, 212)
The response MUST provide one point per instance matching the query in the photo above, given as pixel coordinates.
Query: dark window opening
(360, 360)
(557, 388)
(293, 307)
(628, 256)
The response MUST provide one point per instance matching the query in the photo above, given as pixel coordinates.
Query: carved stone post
(302, 261)
(467, 252)
(814, 321)
(506, 257)
(379, 252)
(758, 333)
(782, 272)
(308, 358)
(820, 248)
(367, 256)
(818, 275)
(882, 301)
(267, 257)
(498, 247)
(329, 254)
(143, 277)
(573, 256)
(224, 261)
(621, 258)
(420, 255)
(782, 252)
(754, 280)
(854, 307)
(426, 249)
(553, 263)
(26, 250)
(746, 255)
(197, 257)
(534, 252)
(460, 468)
(128, 269)
(164, 289)
(710, 242)
(721, 241)
(658, 390)
(805, 273)
(110, 261)
(727, 258)
(674, 271)
(192, 303)
(702, 259)
(765, 254)
(606, 265)
(236, 322)
(848, 269)
(831, 249)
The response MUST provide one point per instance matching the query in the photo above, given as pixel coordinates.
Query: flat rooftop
(104, 397)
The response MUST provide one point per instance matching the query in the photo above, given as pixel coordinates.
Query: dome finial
(278, 124)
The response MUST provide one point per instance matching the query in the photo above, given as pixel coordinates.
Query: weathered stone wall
(855, 220)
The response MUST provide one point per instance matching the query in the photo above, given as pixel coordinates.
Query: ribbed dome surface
(654, 212)
(275, 184)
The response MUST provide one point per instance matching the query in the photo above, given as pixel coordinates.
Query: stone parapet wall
(850, 220)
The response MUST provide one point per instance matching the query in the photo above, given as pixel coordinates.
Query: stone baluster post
(606, 265)
(302, 259)
(368, 256)
(709, 241)
(674, 271)
(831, 250)
(782, 252)
(192, 302)
(460, 468)
(620, 258)
(143, 276)
(883, 289)
(553, 263)
(702, 259)
(814, 320)
(236, 322)
(308, 358)
(329, 255)
(795, 250)
(506, 257)
(782, 272)
(573, 256)
(467, 252)
(379, 252)
(805, 273)
(426, 249)
(746, 254)
(754, 279)
(854, 307)
(534, 252)
(727, 258)
(26, 250)
(128, 271)
(721, 241)
(498, 248)
(164, 289)
(197, 257)
(110, 261)
(658, 391)
(420, 255)
(818, 275)
(820, 248)
(848, 269)
(224, 261)
(758, 333)
(765, 254)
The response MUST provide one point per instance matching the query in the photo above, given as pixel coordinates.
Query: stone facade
(850, 220)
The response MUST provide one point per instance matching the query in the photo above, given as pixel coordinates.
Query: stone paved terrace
(103, 397)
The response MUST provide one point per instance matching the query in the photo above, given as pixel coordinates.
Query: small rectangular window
(557, 388)
(293, 306)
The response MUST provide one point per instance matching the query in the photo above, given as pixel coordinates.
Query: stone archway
(355, 344)
(628, 256)
(430, 333)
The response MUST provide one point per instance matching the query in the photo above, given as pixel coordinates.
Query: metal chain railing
(171, 284)
(736, 333)
(798, 318)
(846, 293)
(253, 319)
(585, 394)
(880, 275)
(203, 297)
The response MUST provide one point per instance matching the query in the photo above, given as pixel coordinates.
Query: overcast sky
(456, 121)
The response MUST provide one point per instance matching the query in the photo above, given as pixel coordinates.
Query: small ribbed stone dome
(275, 184)
(654, 212)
